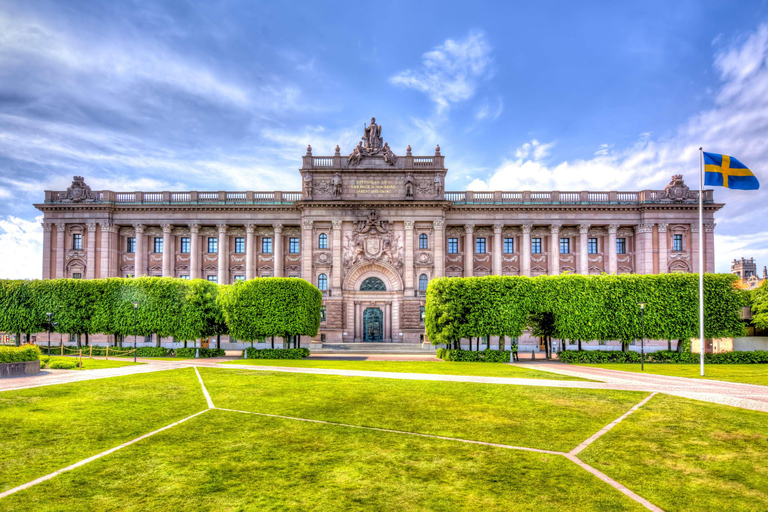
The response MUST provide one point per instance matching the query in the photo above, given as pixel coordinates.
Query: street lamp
(135, 327)
(642, 336)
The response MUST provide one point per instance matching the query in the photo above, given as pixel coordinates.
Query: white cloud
(22, 243)
(451, 72)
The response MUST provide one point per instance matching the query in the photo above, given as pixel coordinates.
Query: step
(372, 348)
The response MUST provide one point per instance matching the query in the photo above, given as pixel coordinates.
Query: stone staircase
(372, 348)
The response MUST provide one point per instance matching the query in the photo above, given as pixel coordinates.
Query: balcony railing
(568, 198)
(180, 198)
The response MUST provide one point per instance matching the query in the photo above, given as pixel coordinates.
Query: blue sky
(151, 95)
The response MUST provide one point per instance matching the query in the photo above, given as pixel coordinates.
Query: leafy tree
(17, 308)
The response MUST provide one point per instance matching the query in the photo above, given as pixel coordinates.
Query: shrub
(276, 353)
(599, 356)
(19, 354)
(483, 356)
(202, 352)
(439, 353)
(662, 356)
(62, 363)
(148, 351)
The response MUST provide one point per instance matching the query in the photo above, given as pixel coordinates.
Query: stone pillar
(497, 249)
(709, 247)
(525, 252)
(469, 251)
(277, 250)
(644, 233)
(554, 249)
(336, 257)
(408, 265)
(388, 321)
(358, 322)
(194, 256)
(439, 250)
(584, 249)
(106, 248)
(138, 257)
(695, 248)
(47, 249)
(613, 264)
(167, 253)
(306, 250)
(249, 251)
(663, 251)
(223, 271)
(61, 232)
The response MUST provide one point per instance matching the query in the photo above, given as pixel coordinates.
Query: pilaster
(408, 265)
(277, 250)
(663, 251)
(584, 249)
(613, 265)
(194, 257)
(306, 250)
(525, 251)
(223, 271)
(249, 267)
(695, 248)
(140, 254)
(47, 249)
(554, 249)
(709, 247)
(497, 249)
(106, 249)
(61, 233)
(337, 257)
(438, 227)
(167, 251)
(644, 233)
(469, 251)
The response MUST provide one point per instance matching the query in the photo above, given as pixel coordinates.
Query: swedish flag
(726, 171)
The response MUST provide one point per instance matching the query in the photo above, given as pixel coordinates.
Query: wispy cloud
(22, 247)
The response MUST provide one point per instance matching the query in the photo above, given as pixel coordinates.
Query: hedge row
(577, 307)
(662, 356)
(94, 350)
(19, 354)
(483, 356)
(276, 353)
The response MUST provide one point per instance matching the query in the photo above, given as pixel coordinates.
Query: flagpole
(702, 342)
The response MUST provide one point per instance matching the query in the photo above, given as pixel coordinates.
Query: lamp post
(135, 327)
(642, 336)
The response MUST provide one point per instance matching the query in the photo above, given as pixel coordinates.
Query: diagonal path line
(613, 483)
(205, 391)
(608, 427)
(94, 457)
(496, 445)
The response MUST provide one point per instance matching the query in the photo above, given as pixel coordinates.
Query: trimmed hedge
(483, 356)
(142, 351)
(276, 353)
(19, 354)
(662, 356)
(599, 356)
(62, 363)
(202, 352)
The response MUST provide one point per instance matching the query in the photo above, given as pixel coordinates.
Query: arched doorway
(373, 325)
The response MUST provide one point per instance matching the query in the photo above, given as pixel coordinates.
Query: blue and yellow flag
(726, 171)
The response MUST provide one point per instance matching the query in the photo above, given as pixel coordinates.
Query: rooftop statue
(372, 137)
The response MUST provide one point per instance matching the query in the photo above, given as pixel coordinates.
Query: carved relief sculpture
(308, 186)
(677, 190)
(78, 192)
(409, 186)
(336, 183)
(389, 156)
(438, 185)
(372, 137)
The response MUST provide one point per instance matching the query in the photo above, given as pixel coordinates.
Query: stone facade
(371, 229)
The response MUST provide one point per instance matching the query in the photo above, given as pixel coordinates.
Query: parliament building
(370, 230)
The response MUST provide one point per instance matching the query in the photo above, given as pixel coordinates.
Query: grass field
(744, 373)
(430, 367)
(98, 364)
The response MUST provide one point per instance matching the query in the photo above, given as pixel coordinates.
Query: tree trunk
(185, 343)
(218, 341)
(297, 341)
(273, 342)
(157, 342)
(579, 344)
(86, 339)
(624, 346)
(18, 339)
(669, 345)
(77, 338)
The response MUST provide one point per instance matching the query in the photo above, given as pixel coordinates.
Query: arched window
(423, 281)
(322, 282)
(373, 284)
(323, 241)
(423, 241)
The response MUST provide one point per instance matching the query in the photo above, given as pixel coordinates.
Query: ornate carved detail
(291, 231)
(709, 227)
(167, 228)
(308, 185)
(181, 231)
(336, 224)
(595, 259)
(623, 258)
(482, 257)
(389, 156)
(527, 228)
(424, 259)
(663, 228)
(568, 232)
(126, 231)
(78, 192)
(677, 190)
(408, 224)
(373, 284)
(566, 258)
(293, 258)
(308, 223)
(584, 228)
(209, 231)
(236, 231)
(469, 228)
(498, 228)
(208, 257)
(595, 232)
(679, 256)
(540, 232)
(293, 269)
(60, 227)
(483, 232)
(278, 228)
(194, 228)
(250, 228)
(91, 226)
(238, 259)
(336, 184)
(222, 228)
(612, 229)
(538, 259)
(438, 181)
(509, 259)
(511, 232)
(153, 231)
(323, 258)
(138, 228)
(265, 258)
(625, 232)
(555, 228)
(455, 259)
(373, 241)
(453, 269)
(454, 231)
(74, 253)
(644, 228)
(437, 225)
(47, 226)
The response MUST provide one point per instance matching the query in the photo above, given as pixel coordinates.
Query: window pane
(239, 278)
(185, 245)
(77, 275)
(422, 313)
(213, 245)
(184, 277)
(565, 246)
(77, 241)
(322, 313)
(621, 246)
(239, 245)
(453, 246)
(678, 243)
(266, 245)
(423, 242)
(423, 281)
(509, 245)
(592, 246)
(480, 246)
(158, 245)
(323, 241)
(130, 246)
(322, 282)
(213, 279)
(293, 246)
(535, 245)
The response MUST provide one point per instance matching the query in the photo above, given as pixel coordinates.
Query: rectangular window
(293, 246)
(509, 246)
(240, 245)
(592, 246)
(130, 245)
(535, 245)
(77, 241)
(184, 277)
(239, 278)
(213, 245)
(422, 313)
(453, 246)
(77, 275)
(322, 313)
(158, 245)
(266, 245)
(213, 279)
(621, 246)
(480, 246)
(677, 242)
(185, 245)
(565, 246)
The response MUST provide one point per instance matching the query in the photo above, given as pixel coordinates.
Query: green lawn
(229, 461)
(431, 367)
(687, 455)
(98, 364)
(744, 373)
(49, 427)
(537, 417)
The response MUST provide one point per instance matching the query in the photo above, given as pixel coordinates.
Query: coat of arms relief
(373, 240)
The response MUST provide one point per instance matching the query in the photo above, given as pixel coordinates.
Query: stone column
(358, 322)
(584, 249)
(663, 251)
(388, 321)
(554, 249)
(644, 234)
(497, 249)
(106, 248)
(408, 265)
(90, 251)
(223, 272)
(167, 254)
(61, 232)
(277, 250)
(439, 250)
(709, 247)
(194, 256)
(47, 249)
(249, 251)
(138, 257)
(306, 250)
(336, 257)
(695, 248)
(613, 264)
(469, 251)
(525, 250)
